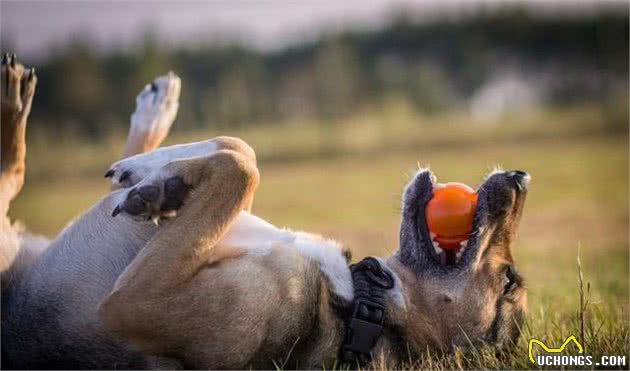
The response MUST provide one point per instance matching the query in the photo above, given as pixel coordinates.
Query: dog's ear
(500, 206)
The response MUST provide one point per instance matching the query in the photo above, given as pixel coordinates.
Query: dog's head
(476, 298)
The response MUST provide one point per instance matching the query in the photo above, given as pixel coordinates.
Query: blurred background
(342, 101)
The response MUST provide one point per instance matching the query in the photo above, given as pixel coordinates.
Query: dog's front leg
(203, 196)
(130, 171)
(156, 108)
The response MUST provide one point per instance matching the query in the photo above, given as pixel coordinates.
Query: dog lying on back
(172, 265)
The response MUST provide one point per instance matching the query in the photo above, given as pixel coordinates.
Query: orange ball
(449, 214)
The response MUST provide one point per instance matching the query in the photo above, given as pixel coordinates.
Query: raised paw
(154, 199)
(131, 170)
(156, 108)
(16, 89)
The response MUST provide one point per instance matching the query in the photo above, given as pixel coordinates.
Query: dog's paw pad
(175, 191)
(155, 201)
(149, 193)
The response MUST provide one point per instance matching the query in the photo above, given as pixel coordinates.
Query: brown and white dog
(213, 286)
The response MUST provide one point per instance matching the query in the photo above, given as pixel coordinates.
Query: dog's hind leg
(206, 194)
(17, 89)
(17, 86)
(156, 108)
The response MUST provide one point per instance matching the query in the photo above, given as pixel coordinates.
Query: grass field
(344, 181)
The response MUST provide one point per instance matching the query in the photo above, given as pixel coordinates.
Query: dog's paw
(156, 108)
(129, 172)
(155, 198)
(17, 88)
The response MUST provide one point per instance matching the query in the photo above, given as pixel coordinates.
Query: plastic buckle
(364, 335)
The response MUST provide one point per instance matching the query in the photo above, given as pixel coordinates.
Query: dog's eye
(509, 281)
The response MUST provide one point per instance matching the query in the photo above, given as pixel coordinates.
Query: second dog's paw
(155, 198)
(156, 108)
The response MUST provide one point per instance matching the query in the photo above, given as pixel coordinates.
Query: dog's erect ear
(499, 208)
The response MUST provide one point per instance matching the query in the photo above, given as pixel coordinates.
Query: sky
(34, 28)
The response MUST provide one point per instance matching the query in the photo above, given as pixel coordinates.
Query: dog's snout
(521, 178)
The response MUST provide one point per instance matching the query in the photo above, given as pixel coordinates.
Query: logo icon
(552, 350)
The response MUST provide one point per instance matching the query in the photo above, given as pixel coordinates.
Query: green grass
(345, 181)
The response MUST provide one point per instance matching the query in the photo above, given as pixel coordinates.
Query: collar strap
(364, 327)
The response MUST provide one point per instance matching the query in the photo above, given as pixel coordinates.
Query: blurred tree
(430, 88)
(435, 65)
(81, 90)
(336, 73)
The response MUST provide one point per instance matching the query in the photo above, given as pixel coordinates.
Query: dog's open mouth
(501, 191)
(446, 256)
(417, 195)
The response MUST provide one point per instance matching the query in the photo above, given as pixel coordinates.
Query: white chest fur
(257, 236)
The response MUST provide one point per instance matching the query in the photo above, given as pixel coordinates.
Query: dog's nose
(521, 178)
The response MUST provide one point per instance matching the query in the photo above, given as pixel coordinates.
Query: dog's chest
(258, 238)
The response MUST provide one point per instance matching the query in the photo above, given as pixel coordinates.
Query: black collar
(364, 327)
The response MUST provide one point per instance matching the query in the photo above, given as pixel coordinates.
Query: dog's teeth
(464, 244)
(458, 255)
(437, 248)
(433, 235)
